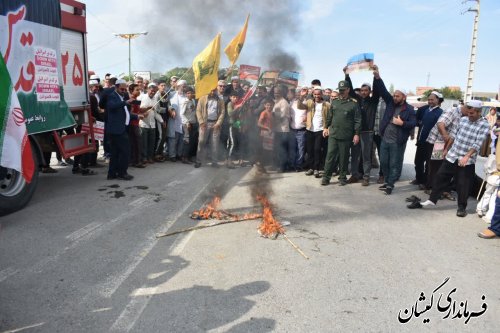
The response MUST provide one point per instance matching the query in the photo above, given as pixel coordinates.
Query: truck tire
(15, 192)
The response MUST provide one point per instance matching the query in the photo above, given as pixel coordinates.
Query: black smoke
(178, 30)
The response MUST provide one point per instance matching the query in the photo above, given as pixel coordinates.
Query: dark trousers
(281, 150)
(495, 220)
(315, 149)
(463, 177)
(235, 139)
(362, 152)
(297, 143)
(162, 138)
(377, 140)
(422, 158)
(189, 150)
(390, 157)
(134, 134)
(338, 150)
(148, 143)
(120, 154)
(93, 156)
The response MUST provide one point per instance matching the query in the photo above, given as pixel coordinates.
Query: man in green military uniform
(343, 123)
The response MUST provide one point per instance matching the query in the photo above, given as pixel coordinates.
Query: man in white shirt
(281, 127)
(175, 132)
(297, 135)
(150, 107)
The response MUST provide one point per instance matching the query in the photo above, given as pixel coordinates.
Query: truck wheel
(15, 192)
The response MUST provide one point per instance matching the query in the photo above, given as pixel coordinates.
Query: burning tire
(15, 192)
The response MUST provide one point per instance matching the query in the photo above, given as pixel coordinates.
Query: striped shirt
(450, 119)
(469, 135)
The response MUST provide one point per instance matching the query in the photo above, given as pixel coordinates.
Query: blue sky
(409, 39)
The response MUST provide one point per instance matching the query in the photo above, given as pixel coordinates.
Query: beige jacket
(310, 106)
(202, 112)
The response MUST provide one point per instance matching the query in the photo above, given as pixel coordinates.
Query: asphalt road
(83, 257)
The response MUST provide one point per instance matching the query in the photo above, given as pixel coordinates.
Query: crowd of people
(320, 132)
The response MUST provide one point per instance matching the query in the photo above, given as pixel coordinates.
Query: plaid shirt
(450, 119)
(469, 135)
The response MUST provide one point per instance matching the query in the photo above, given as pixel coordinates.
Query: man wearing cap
(399, 119)
(342, 127)
(175, 132)
(117, 122)
(427, 117)
(234, 86)
(460, 158)
(368, 103)
(150, 109)
(210, 115)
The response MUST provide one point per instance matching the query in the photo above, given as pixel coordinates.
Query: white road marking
(109, 287)
(24, 328)
(134, 309)
(83, 231)
(6, 273)
(101, 310)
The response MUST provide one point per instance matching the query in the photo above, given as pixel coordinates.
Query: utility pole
(428, 79)
(129, 37)
(472, 61)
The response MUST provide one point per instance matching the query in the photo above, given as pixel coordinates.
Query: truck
(43, 45)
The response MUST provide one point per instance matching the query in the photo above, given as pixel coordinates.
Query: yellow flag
(233, 49)
(206, 68)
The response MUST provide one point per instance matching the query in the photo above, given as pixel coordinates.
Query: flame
(209, 211)
(269, 227)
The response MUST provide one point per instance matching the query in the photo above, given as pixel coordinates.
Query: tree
(447, 93)
(179, 72)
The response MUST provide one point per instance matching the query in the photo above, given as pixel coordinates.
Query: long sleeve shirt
(469, 135)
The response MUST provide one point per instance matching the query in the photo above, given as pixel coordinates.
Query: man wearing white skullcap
(460, 157)
(399, 119)
(427, 117)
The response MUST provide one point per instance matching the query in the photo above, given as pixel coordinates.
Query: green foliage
(447, 93)
(179, 72)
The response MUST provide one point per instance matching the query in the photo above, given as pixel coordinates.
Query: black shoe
(110, 177)
(383, 187)
(413, 198)
(461, 212)
(414, 205)
(125, 177)
(172, 159)
(325, 182)
(352, 180)
(197, 164)
(310, 172)
(343, 182)
(414, 182)
(387, 191)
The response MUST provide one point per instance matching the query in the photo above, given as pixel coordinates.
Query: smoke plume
(180, 29)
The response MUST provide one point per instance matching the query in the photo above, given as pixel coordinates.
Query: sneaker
(316, 174)
(62, 163)
(309, 172)
(461, 212)
(325, 182)
(366, 182)
(70, 161)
